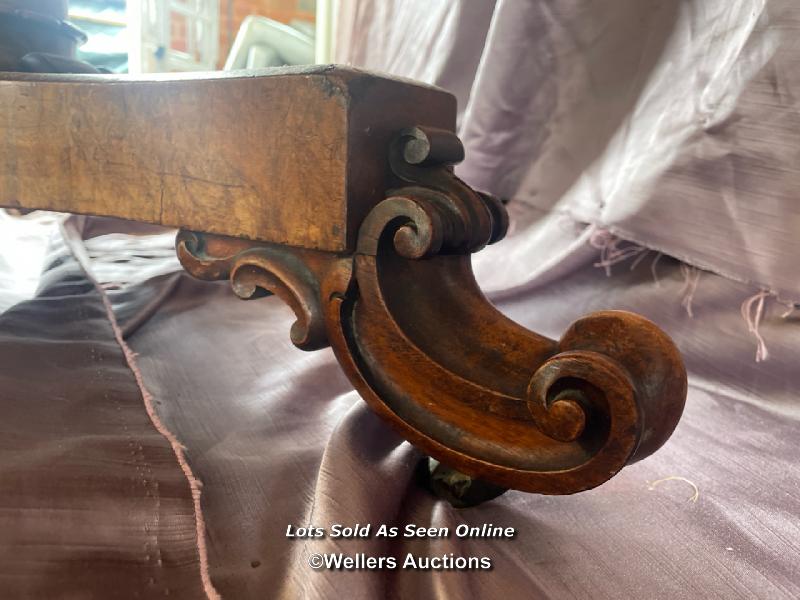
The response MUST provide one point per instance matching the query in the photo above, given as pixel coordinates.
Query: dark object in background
(42, 62)
(36, 27)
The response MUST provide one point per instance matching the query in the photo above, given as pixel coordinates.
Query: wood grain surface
(282, 155)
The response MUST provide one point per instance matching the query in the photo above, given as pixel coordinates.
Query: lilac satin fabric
(674, 124)
(92, 501)
(278, 437)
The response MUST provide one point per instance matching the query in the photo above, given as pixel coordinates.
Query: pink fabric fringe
(72, 238)
(610, 251)
(691, 277)
(752, 313)
(752, 309)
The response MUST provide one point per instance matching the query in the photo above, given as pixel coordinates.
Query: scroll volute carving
(430, 354)
(296, 276)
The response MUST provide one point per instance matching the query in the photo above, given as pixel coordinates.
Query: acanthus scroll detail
(431, 355)
(254, 269)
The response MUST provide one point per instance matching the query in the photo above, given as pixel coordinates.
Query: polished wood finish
(334, 190)
(431, 355)
(288, 156)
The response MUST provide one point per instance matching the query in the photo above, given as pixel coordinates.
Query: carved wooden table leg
(309, 183)
(432, 356)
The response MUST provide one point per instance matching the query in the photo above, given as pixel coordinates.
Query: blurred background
(150, 36)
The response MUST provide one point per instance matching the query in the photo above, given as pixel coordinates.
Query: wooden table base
(334, 190)
(431, 355)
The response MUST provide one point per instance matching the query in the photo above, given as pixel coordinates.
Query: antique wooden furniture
(333, 189)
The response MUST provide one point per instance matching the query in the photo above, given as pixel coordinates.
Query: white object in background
(153, 49)
(327, 11)
(24, 243)
(262, 42)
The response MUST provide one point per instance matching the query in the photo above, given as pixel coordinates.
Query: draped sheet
(673, 124)
(93, 503)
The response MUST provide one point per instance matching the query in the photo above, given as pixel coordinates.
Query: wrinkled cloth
(93, 503)
(672, 124)
(278, 437)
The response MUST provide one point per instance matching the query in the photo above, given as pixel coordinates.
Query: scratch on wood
(161, 203)
(184, 176)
